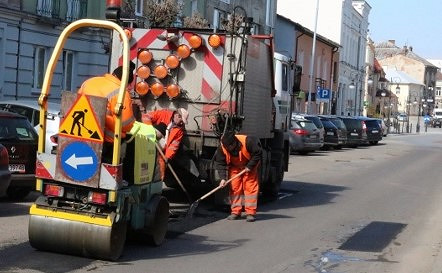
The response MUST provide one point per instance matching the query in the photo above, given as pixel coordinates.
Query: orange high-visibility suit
(108, 86)
(244, 190)
(173, 137)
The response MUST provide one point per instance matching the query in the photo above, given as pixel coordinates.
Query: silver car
(304, 136)
(31, 110)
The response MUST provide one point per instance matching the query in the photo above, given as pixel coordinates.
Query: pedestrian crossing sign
(81, 121)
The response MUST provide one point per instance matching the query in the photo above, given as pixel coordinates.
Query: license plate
(375, 131)
(330, 133)
(17, 168)
(313, 136)
(353, 134)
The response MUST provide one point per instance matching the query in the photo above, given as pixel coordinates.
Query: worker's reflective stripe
(90, 219)
(175, 142)
(128, 121)
(109, 133)
(113, 93)
(251, 196)
(251, 204)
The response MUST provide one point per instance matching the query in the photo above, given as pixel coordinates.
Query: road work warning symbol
(81, 122)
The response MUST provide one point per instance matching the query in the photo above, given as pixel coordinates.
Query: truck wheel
(271, 189)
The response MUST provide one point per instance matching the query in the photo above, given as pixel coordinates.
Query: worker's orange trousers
(244, 191)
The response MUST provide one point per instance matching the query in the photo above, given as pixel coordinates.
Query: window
(44, 8)
(269, 13)
(76, 9)
(438, 91)
(39, 66)
(139, 7)
(68, 58)
(218, 17)
(194, 7)
(284, 78)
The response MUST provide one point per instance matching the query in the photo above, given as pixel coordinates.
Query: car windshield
(316, 121)
(338, 123)
(327, 123)
(16, 129)
(352, 123)
(372, 123)
(304, 124)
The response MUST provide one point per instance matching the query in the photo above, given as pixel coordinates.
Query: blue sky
(416, 23)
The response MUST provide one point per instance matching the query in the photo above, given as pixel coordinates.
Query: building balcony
(56, 10)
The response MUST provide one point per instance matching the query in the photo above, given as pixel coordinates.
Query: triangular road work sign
(81, 122)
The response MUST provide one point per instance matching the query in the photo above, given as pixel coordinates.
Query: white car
(31, 110)
(402, 117)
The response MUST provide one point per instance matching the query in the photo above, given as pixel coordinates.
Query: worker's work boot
(250, 218)
(233, 217)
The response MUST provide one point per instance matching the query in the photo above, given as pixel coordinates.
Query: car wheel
(303, 152)
(17, 193)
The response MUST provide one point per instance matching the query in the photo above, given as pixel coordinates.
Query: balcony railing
(73, 9)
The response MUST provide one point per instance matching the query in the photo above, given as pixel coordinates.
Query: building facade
(28, 33)
(344, 22)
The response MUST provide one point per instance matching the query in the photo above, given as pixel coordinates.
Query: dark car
(331, 136)
(304, 136)
(356, 131)
(20, 140)
(436, 122)
(374, 130)
(342, 130)
(5, 174)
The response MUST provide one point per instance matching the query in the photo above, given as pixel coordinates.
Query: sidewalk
(402, 129)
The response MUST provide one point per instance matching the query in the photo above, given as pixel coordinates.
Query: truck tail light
(145, 56)
(301, 132)
(195, 41)
(157, 89)
(214, 41)
(54, 190)
(97, 197)
(183, 51)
(142, 88)
(160, 71)
(172, 90)
(364, 126)
(172, 61)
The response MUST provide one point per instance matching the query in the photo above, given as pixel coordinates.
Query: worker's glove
(222, 183)
(246, 169)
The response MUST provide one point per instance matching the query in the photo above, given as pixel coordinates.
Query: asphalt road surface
(370, 209)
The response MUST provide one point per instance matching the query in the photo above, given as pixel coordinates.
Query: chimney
(393, 42)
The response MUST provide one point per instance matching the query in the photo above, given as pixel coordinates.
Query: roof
(53, 107)
(400, 77)
(10, 114)
(389, 49)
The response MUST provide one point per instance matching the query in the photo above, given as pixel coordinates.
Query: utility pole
(312, 63)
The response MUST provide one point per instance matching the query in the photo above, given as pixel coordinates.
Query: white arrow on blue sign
(79, 161)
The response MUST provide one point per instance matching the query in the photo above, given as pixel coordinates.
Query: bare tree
(233, 23)
(195, 21)
(162, 14)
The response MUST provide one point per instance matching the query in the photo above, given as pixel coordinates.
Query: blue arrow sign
(79, 161)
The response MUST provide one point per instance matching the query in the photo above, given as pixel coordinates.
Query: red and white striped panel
(111, 176)
(45, 166)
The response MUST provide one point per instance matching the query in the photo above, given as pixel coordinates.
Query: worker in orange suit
(175, 120)
(108, 86)
(237, 153)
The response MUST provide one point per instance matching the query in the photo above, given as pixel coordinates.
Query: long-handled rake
(173, 172)
(195, 204)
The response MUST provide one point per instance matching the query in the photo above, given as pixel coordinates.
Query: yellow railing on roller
(45, 90)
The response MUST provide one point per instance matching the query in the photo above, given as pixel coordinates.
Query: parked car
(374, 130)
(356, 131)
(31, 110)
(304, 136)
(315, 119)
(436, 122)
(402, 117)
(5, 174)
(20, 140)
(342, 130)
(332, 133)
(383, 126)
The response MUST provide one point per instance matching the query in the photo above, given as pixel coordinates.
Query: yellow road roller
(89, 202)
